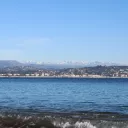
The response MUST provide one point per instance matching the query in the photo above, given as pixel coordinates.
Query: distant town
(84, 72)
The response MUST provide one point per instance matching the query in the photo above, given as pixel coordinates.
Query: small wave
(76, 125)
(47, 121)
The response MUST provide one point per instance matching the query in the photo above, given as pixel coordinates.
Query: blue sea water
(65, 102)
(60, 95)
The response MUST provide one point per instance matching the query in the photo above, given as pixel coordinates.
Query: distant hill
(14, 63)
(9, 63)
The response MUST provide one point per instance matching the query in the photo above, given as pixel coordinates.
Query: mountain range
(68, 64)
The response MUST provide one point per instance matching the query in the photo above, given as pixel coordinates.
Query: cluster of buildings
(88, 72)
(121, 73)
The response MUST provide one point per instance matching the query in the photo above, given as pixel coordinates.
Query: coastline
(81, 77)
(54, 120)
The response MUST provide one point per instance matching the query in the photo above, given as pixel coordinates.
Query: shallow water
(83, 103)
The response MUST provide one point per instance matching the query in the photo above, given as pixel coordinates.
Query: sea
(63, 103)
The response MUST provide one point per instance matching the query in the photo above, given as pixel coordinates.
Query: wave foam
(47, 121)
(76, 125)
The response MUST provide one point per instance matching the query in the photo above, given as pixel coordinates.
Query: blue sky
(58, 30)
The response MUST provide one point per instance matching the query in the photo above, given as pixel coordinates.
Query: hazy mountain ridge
(9, 63)
(14, 63)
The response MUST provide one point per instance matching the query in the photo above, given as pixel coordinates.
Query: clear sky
(58, 30)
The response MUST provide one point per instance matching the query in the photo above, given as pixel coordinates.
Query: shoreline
(102, 77)
(62, 121)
